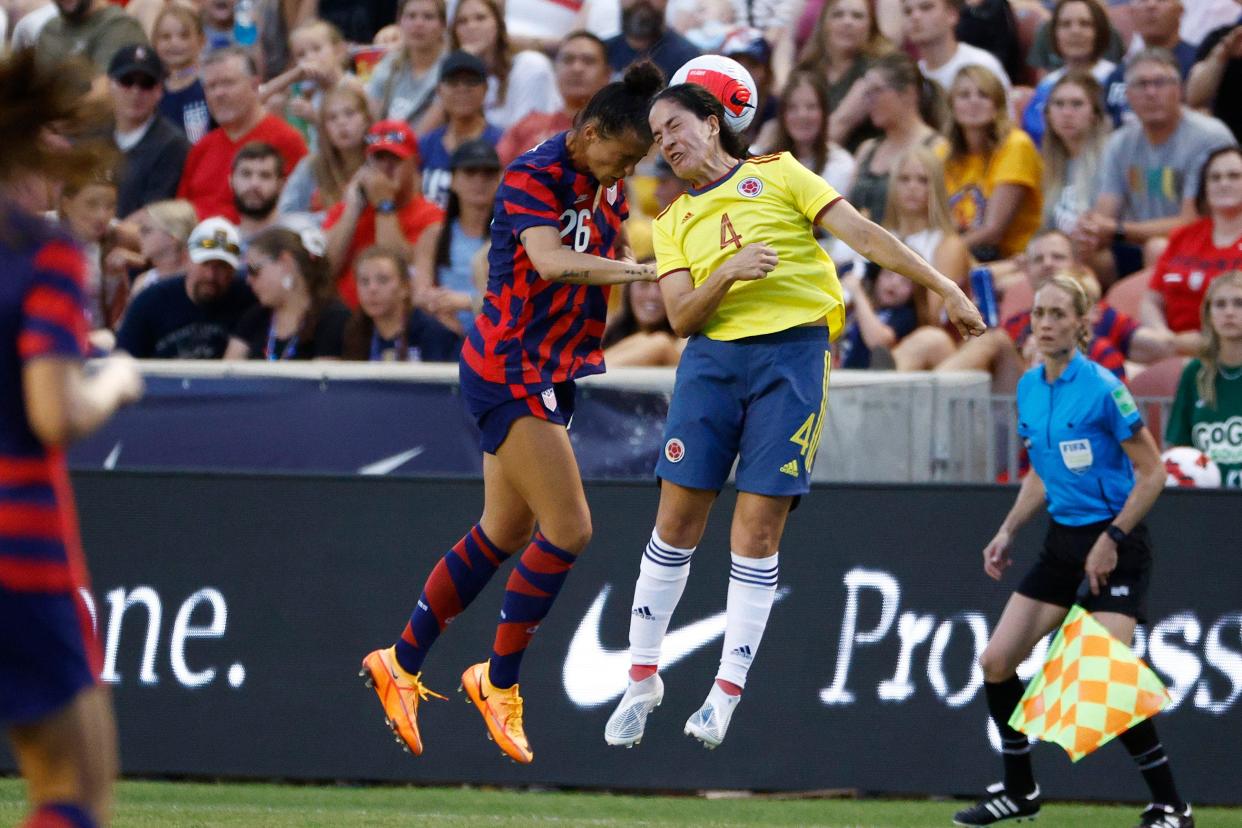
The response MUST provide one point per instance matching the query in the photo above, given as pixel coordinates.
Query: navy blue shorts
(43, 654)
(495, 409)
(760, 400)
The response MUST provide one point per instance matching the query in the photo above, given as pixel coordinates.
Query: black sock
(1003, 697)
(1147, 752)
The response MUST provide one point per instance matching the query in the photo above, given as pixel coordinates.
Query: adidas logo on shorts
(643, 613)
(790, 468)
(742, 651)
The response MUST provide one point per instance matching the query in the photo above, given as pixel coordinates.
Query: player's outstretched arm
(557, 263)
(65, 403)
(882, 247)
(689, 306)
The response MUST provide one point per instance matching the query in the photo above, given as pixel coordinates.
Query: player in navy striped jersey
(556, 246)
(59, 719)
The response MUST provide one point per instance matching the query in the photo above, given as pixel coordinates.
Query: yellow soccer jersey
(771, 199)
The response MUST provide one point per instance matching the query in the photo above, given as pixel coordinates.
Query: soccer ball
(1190, 468)
(728, 81)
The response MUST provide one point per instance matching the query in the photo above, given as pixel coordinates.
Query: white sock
(662, 577)
(752, 589)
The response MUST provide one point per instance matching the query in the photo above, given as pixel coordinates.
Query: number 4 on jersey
(728, 235)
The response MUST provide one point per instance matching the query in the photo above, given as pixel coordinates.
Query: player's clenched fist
(754, 261)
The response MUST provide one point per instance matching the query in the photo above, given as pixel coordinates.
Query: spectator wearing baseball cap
(460, 92)
(383, 205)
(456, 296)
(154, 151)
(191, 316)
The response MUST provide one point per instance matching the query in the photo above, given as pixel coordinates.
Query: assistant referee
(1098, 469)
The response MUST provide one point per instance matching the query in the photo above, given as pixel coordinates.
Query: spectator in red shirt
(231, 81)
(384, 205)
(1198, 253)
(581, 71)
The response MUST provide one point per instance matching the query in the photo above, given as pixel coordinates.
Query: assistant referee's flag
(1091, 689)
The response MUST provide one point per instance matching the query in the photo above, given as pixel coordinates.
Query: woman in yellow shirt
(743, 277)
(992, 169)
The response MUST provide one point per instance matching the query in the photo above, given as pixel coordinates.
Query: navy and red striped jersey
(532, 332)
(1111, 324)
(41, 315)
(1102, 349)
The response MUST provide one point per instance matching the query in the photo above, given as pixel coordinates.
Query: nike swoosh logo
(737, 100)
(109, 462)
(388, 464)
(594, 675)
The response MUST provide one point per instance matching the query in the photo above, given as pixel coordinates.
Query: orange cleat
(502, 712)
(399, 693)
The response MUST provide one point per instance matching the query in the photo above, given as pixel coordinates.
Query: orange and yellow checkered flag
(1091, 689)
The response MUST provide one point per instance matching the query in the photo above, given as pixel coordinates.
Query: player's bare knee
(682, 531)
(571, 534)
(756, 541)
(997, 665)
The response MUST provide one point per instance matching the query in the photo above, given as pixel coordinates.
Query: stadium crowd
(302, 179)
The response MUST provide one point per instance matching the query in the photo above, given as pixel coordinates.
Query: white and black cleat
(1166, 816)
(999, 806)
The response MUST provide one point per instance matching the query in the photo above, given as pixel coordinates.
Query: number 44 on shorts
(806, 438)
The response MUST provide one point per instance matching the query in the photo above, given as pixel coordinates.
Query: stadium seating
(1126, 295)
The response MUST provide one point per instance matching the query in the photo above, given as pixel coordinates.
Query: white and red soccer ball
(729, 83)
(1187, 467)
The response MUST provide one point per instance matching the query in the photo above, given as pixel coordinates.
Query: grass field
(191, 805)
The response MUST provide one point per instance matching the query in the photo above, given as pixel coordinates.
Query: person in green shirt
(92, 30)
(1207, 411)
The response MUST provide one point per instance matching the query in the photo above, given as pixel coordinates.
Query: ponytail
(622, 106)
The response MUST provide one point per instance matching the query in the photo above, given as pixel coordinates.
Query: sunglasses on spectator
(213, 244)
(463, 79)
(144, 82)
(1154, 84)
(385, 138)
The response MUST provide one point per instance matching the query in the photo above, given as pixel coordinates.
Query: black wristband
(1116, 533)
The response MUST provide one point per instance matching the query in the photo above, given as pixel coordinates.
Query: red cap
(392, 136)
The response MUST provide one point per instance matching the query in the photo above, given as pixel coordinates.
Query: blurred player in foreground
(743, 277)
(59, 718)
(1098, 469)
(556, 242)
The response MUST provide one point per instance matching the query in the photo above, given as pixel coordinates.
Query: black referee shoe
(1166, 816)
(999, 806)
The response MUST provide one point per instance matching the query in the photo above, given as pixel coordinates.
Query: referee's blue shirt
(1072, 430)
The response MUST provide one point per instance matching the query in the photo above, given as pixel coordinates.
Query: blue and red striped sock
(60, 815)
(533, 586)
(455, 581)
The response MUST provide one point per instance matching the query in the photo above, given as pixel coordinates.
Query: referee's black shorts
(1058, 576)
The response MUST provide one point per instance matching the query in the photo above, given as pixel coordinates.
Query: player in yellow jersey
(743, 277)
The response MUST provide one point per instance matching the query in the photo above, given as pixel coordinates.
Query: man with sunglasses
(383, 204)
(154, 150)
(191, 316)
